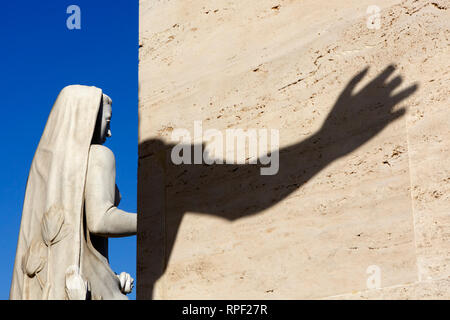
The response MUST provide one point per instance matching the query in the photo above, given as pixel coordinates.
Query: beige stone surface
(223, 231)
(423, 290)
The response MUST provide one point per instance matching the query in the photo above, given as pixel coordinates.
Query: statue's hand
(126, 282)
(358, 116)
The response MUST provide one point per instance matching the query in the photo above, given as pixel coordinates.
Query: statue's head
(102, 127)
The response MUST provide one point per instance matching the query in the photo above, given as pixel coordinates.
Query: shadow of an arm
(237, 190)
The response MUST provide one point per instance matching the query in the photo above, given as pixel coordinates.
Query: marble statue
(70, 207)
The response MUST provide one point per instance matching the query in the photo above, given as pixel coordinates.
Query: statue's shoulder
(101, 154)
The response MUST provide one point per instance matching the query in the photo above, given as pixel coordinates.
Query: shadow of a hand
(357, 117)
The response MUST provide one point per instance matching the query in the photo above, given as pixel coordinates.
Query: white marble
(70, 207)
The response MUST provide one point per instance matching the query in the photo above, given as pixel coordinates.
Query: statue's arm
(102, 216)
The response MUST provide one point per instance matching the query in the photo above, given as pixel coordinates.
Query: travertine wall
(368, 187)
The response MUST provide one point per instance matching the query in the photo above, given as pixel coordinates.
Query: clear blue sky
(39, 56)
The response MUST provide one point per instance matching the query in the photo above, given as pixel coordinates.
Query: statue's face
(105, 129)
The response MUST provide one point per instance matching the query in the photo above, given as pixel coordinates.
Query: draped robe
(55, 258)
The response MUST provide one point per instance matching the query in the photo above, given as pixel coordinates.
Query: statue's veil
(50, 247)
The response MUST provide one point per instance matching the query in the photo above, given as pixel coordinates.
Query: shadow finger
(397, 98)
